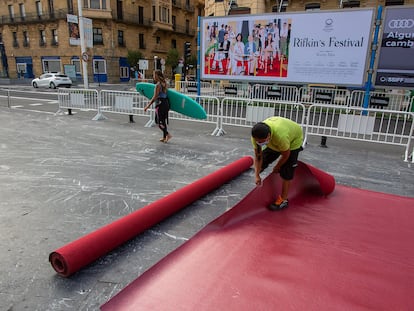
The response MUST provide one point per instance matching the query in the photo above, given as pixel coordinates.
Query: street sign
(85, 56)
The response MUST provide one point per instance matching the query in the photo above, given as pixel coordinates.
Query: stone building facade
(222, 7)
(35, 35)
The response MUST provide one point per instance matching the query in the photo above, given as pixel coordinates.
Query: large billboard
(396, 56)
(329, 47)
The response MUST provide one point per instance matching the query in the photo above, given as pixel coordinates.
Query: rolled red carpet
(79, 253)
(351, 250)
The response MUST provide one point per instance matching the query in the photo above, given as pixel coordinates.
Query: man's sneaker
(279, 204)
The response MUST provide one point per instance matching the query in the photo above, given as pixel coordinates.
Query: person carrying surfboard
(277, 138)
(162, 106)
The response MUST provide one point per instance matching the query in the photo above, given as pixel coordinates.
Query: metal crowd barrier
(122, 102)
(356, 123)
(247, 112)
(320, 95)
(275, 92)
(83, 99)
(320, 119)
(383, 100)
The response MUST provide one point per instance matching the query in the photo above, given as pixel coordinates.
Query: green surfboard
(178, 102)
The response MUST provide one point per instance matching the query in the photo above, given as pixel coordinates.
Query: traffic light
(187, 49)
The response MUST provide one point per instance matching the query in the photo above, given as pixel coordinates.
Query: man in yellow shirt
(277, 138)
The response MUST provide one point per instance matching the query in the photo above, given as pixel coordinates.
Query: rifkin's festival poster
(329, 47)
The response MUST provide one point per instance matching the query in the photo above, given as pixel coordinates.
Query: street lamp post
(155, 62)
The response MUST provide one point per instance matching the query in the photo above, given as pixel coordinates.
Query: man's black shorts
(287, 170)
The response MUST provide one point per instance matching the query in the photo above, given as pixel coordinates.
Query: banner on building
(74, 31)
(329, 47)
(395, 67)
(87, 29)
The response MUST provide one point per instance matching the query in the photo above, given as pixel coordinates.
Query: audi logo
(401, 23)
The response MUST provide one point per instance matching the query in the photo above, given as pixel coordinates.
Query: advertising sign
(74, 31)
(396, 56)
(329, 47)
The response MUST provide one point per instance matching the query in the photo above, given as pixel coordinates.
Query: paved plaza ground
(62, 177)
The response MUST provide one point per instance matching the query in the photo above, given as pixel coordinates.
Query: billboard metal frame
(324, 47)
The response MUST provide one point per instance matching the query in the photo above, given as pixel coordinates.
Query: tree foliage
(133, 57)
(172, 58)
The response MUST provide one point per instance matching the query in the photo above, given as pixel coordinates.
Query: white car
(52, 80)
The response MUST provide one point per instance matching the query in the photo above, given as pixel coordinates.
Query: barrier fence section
(356, 123)
(247, 112)
(275, 92)
(319, 95)
(326, 118)
(382, 100)
(123, 102)
(84, 99)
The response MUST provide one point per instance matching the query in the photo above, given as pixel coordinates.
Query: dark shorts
(287, 170)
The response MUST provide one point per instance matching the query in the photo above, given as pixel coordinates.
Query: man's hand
(276, 170)
(258, 180)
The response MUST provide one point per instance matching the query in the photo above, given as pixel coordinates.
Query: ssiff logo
(328, 25)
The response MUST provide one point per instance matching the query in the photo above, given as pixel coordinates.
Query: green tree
(172, 58)
(133, 57)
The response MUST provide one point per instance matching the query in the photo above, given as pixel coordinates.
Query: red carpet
(352, 250)
(77, 254)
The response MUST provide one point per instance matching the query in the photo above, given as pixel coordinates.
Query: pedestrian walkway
(64, 176)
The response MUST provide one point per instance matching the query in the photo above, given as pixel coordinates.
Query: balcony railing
(34, 17)
(134, 19)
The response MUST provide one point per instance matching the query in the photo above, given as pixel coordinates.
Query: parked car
(52, 80)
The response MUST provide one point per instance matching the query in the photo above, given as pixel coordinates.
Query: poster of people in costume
(317, 47)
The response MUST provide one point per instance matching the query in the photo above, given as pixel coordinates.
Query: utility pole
(83, 46)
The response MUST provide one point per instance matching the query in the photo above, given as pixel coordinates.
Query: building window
(158, 39)
(39, 10)
(51, 65)
(99, 66)
(70, 6)
(350, 4)
(95, 4)
(42, 35)
(76, 63)
(51, 8)
(187, 26)
(21, 68)
(174, 44)
(153, 13)
(164, 14)
(394, 2)
(97, 36)
(22, 11)
(25, 39)
(141, 15)
(15, 42)
(174, 22)
(121, 38)
(312, 7)
(54, 37)
(141, 42)
(11, 12)
(124, 72)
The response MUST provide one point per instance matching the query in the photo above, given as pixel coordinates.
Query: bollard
(323, 142)
(177, 77)
(131, 119)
